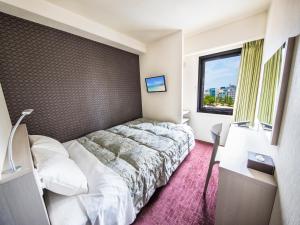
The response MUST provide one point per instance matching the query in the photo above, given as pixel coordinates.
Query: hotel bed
(123, 165)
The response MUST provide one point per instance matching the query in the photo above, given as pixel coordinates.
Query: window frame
(201, 80)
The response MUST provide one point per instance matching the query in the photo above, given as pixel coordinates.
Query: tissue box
(266, 166)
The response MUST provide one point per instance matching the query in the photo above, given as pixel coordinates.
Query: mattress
(124, 165)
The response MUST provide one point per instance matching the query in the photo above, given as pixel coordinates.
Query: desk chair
(215, 132)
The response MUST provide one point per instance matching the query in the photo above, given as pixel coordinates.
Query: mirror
(274, 87)
(270, 82)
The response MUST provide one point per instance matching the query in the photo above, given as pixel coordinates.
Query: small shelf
(185, 120)
(185, 117)
(185, 113)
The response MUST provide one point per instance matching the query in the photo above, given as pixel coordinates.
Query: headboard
(74, 85)
(5, 128)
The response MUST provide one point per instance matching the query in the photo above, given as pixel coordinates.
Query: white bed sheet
(108, 201)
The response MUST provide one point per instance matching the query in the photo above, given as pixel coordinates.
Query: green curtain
(269, 86)
(250, 68)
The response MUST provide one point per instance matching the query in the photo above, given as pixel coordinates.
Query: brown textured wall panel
(75, 85)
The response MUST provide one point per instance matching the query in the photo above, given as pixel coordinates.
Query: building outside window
(218, 77)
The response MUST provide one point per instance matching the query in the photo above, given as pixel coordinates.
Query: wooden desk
(245, 196)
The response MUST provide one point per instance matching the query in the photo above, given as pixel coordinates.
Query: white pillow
(57, 171)
(62, 176)
(44, 147)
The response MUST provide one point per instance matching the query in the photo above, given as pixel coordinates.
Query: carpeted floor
(180, 202)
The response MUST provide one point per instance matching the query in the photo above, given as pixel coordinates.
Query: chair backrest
(215, 133)
(216, 130)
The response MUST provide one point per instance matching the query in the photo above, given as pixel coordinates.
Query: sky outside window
(220, 81)
(221, 72)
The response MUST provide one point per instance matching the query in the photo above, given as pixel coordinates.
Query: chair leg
(208, 178)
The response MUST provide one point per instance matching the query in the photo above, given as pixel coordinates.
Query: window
(218, 75)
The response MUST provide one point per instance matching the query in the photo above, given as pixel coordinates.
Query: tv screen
(156, 84)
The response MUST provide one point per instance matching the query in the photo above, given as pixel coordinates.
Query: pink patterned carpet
(180, 202)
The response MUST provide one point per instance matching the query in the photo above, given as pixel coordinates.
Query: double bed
(123, 165)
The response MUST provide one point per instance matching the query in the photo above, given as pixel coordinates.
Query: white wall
(221, 39)
(283, 22)
(249, 29)
(46, 13)
(163, 57)
(287, 156)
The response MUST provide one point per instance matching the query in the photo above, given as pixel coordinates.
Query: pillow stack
(57, 171)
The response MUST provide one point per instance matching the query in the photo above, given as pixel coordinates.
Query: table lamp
(12, 166)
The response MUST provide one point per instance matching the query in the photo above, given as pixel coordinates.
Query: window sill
(227, 112)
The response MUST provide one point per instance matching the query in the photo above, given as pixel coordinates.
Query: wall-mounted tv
(156, 84)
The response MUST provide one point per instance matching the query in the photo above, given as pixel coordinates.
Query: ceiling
(148, 20)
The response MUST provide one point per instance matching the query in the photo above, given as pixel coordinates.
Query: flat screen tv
(156, 84)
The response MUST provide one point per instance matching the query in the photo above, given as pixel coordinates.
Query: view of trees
(215, 101)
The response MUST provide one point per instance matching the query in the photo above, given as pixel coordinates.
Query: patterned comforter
(143, 152)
